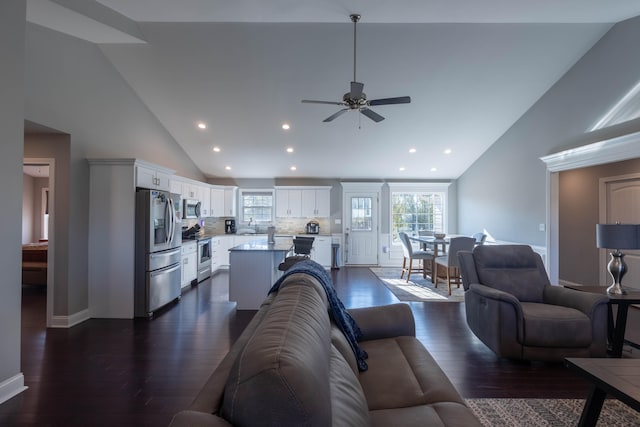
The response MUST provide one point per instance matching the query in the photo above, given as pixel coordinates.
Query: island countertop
(260, 244)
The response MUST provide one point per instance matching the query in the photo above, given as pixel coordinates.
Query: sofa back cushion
(281, 377)
(348, 404)
(515, 269)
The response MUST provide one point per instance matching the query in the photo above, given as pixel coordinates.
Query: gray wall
(504, 191)
(578, 214)
(12, 25)
(71, 87)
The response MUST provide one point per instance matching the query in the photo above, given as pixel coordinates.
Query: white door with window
(360, 203)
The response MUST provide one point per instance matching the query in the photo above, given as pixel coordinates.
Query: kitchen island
(253, 269)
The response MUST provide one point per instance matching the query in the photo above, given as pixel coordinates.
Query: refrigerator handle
(172, 218)
(167, 222)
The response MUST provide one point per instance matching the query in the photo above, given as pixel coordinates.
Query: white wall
(12, 25)
(504, 191)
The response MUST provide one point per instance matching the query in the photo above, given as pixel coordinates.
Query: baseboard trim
(12, 387)
(69, 321)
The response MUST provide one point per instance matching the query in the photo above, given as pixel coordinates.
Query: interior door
(623, 205)
(361, 228)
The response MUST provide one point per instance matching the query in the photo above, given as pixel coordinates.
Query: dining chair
(480, 238)
(301, 251)
(450, 260)
(425, 233)
(410, 254)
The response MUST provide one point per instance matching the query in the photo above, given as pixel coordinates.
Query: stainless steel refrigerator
(158, 250)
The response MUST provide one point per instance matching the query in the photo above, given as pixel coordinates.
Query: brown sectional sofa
(292, 366)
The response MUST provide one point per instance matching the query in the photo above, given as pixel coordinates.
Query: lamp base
(616, 289)
(617, 269)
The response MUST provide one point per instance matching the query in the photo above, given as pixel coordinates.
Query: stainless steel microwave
(191, 209)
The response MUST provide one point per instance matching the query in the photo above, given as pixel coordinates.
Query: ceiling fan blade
(372, 115)
(310, 101)
(334, 115)
(387, 101)
(356, 90)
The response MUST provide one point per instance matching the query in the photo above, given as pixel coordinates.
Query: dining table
(437, 245)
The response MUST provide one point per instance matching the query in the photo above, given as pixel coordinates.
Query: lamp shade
(618, 236)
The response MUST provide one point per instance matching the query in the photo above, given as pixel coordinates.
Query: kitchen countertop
(261, 244)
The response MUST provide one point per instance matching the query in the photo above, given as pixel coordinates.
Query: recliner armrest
(384, 321)
(494, 294)
(586, 302)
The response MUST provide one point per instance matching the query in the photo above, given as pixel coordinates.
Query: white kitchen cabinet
(205, 199)
(190, 191)
(220, 251)
(175, 186)
(321, 251)
(315, 202)
(222, 201)
(217, 202)
(189, 262)
(151, 177)
(288, 203)
(230, 201)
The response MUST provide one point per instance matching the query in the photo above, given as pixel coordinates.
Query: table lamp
(617, 236)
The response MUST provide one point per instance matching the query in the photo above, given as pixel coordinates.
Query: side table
(616, 331)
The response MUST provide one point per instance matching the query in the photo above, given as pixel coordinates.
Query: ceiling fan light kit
(356, 99)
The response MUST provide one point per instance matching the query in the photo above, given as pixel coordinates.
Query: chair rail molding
(608, 150)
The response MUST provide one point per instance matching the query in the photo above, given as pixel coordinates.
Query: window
(361, 219)
(256, 206)
(414, 208)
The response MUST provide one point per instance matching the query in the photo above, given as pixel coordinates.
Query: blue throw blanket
(337, 311)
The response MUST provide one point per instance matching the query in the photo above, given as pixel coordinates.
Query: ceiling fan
(356, 99)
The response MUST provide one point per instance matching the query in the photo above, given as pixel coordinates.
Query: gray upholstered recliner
(512, 307)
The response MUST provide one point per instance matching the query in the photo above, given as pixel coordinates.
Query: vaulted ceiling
(471, 68)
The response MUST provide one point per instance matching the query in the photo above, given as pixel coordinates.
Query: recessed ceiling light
(228, 168)
(202, 125)
(293, 168)
(401, 168)
(447, 151)
(286, 126)
(412, 150)
(216, 149)
(289, 149)
(434, 169)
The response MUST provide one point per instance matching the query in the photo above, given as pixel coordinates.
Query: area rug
(548, 412)
(417, 289)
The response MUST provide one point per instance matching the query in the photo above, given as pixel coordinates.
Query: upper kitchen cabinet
(223, 201)
(288, 202)
(230, 201)
(315, 202)
(152, 176)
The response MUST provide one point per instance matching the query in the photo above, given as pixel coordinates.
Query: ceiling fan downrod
(354, 18)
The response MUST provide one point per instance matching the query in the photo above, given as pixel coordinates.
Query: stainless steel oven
(204, 258)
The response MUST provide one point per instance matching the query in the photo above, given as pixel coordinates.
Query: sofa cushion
(547, 325)
(514, 269)
(402, 373)
(348, 405)
(281, 376)
(342, 345)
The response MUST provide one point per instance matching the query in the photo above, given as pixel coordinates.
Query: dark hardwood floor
(139, 372)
